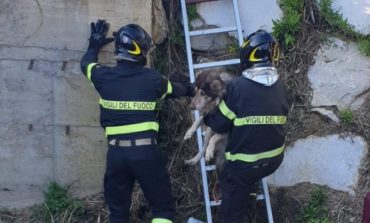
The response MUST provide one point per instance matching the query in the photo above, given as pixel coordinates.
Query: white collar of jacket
(263, 75)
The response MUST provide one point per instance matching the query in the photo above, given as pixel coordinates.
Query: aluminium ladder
(204, 168)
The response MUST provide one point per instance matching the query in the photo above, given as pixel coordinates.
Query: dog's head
(209, 89)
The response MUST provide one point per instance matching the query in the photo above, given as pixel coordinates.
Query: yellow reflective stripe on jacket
(169, 90)
(254, 157)
(261, 120)
(226, 111)
(89, 68)
(132, 128)
(127, 105)
(161, 220)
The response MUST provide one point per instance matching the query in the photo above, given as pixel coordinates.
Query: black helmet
(132, 43)
(259, 49)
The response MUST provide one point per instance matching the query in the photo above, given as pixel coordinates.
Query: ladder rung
(215, 203)
(212, 31)
(198, 1)
(216, 63)
(210, 167)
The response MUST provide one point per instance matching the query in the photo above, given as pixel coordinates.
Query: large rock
(340, 76)
(160, 23)
(210, 42)
(332, 160)
(254, 15)
(357, 13)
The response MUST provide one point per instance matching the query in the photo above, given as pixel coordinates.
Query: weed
(338, 24)
(364, 46)
(316, 210)
(286, 28)
(346, 116)
(176, 37)
(59, 205)
(192, 12)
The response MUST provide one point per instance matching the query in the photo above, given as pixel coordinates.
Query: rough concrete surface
(26, 95)
(330, 160)
(49, 122)
(221, 13)
(26, 163)
(80, 158)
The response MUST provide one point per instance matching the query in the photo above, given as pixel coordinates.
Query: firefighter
(253, 112)
(129, 93)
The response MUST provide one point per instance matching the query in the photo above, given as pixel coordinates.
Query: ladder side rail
(199, 134)
(267, 200)
(187, 40)
(237, 22)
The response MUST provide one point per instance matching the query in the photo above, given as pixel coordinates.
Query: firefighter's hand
(190, 91)
(98, 35)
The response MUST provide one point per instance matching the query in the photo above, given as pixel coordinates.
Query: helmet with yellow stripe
(259, 49)
(132, 43)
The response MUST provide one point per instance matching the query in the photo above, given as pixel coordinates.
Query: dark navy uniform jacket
(129, 94)
(254, 115)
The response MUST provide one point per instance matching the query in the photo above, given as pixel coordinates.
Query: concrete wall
(49, 127)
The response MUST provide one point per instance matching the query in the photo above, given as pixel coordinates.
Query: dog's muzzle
(132, 142)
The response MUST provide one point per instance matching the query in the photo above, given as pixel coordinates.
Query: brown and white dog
(210, 88)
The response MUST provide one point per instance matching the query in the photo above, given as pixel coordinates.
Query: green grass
(316, 210)
(192, 12)
(346, 116)
(364, 46)
(335, 19)
(337, 24)
(59, 206)
(286, 28)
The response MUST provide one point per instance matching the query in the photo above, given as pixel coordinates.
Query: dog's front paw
(188, 134)
(191, 162)
(209, 155)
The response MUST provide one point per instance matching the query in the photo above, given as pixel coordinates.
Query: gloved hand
(98, 33)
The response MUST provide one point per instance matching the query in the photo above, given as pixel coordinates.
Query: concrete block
(26, 164)
(80, 158)
(26, 95)
(66, 24)
(76, 100)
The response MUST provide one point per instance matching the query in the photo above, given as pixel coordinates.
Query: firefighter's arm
(171, 89)
(221, 120)
(88, 62)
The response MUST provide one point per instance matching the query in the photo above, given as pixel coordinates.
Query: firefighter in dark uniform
(253, 112)
(129, 94)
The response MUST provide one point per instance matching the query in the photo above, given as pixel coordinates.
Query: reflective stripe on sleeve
(161, 220)
(261, 120)
(89, 68)
(226, 111)
(127, 105)
(254, 157)
(132, 128)
(169, 90)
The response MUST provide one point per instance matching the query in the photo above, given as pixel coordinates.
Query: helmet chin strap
(141, 61)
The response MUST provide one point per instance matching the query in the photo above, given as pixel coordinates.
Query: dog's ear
(218, 88)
